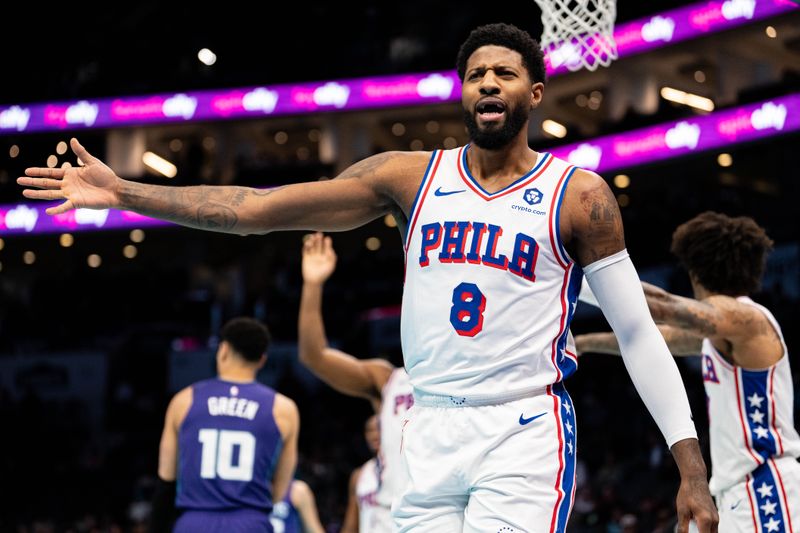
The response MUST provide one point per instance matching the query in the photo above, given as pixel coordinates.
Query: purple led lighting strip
(366, 93)
(673, 139)
(723, 128)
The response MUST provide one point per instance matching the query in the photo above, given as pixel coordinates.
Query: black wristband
(163, 513)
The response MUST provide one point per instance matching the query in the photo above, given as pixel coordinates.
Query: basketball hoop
(578, 33)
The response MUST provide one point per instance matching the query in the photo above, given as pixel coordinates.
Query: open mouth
(490, 109)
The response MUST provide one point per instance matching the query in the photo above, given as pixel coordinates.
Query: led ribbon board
(366, 93)
(672, 139)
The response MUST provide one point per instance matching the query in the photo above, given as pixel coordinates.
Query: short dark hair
(507, 36)
(727, 255)
(248, 337)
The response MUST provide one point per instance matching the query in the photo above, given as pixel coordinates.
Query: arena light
(622, 181)
(724, 160)
(207, 57)
(692, 100)
(556, 129)
(159, 164)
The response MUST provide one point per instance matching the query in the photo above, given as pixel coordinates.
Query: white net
(578, 33)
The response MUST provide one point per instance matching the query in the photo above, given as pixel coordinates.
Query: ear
(223, 351)
(537, 91)
(262, 361)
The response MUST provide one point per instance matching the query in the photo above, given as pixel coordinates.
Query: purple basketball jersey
(228, 447)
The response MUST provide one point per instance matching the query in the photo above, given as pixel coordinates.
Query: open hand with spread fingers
(319, 259)
(93, 185)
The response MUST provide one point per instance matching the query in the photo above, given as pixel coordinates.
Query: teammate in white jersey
(365, 513)
(387, 387)
(754, 445)
(489, 445)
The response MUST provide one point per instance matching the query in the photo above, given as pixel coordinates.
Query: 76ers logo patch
(709, 371)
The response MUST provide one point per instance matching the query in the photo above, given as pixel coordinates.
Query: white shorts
(503, 468)
(375, 519)
(768, 501)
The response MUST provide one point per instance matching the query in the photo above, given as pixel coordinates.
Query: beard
(496, 138)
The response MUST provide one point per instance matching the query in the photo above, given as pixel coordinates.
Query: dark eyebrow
(484, 68)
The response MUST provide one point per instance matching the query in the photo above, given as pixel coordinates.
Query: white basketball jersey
(396, 400)
(750, 413)
(373, 516)
(489, 289)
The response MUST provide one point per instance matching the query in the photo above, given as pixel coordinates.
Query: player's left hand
(694, 503)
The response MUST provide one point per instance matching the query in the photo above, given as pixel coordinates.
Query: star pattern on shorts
(755, 400)
(764, 490)
(761, 432)
(773, 524)
(768, 507)
(569, 447)
(757, 417)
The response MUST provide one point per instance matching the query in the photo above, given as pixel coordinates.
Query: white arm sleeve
(587, 296)
(655, 375)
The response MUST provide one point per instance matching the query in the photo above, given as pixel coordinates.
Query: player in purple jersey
(503, 75)
(229, 445)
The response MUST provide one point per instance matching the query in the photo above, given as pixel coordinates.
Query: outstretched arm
(360, 194)
(715, 316)
(343, 372)
(680, 343)
(591, 226)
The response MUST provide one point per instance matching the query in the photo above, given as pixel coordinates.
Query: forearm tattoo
(204, 207)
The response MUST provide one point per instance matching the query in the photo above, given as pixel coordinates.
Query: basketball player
(229, 443)
(754, 445)
(365, 513)
(496, 236)
(385, 386)
(297, 512)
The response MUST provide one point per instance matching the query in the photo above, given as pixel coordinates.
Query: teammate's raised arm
(343, 372)
(363, 192)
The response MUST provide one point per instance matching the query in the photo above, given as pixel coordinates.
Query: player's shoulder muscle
(179, 406)
(590, 221)
(393, 174)
(286, 414)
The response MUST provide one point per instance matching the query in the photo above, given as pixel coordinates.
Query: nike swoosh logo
(440, 192)
(523, 421)
(734, 506)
